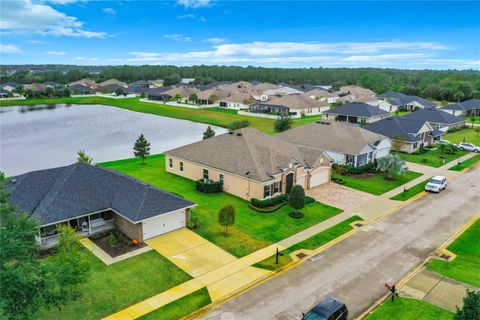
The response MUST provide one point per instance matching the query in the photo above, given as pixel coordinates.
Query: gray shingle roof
(358, 109)
(62, 193)
(435, 116)
(399, 99)
(397, 126)
(465, 105)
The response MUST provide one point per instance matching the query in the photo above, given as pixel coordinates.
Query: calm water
(42, 137)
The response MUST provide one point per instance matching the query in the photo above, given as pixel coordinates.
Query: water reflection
(32, 139)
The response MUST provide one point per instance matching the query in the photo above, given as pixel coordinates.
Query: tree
(27, 282)
(296, 197)
(432, 91)
(172, 79)
(472, 119)
(83, 157)
(226, 217)
(209, 133)
(471, 307)
(283, 123)
(477, 130)
(177, 97)
(193, 97)
(213, 98)
(141, 149)
(119, 91)
(459, 96)
(391, 165)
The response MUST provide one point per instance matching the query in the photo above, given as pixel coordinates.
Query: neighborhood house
(393, 101)
(356, 112)
(466, 108)
(250, 163)
(91, 199)
(437, 118)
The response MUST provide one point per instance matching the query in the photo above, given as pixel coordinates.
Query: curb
(403, 281)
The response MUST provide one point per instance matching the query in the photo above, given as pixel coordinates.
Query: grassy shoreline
(211, 116)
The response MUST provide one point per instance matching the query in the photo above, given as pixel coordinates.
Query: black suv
(329, 309)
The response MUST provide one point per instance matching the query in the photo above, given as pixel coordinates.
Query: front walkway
(436, 289)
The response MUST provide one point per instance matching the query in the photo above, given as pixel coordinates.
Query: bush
(209, 186)
(193, 223)
(112, 239)
(309, 200)
(296, 197)
(339, 169)
(269, 202)
(238, 125)
(369, 167)
(296, 215)
(268, 209)
(451, 149)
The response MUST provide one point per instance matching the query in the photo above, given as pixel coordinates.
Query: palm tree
(83, 157)
(177, 97)
(391, 165)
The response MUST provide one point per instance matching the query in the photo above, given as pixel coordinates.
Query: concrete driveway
(339, 196)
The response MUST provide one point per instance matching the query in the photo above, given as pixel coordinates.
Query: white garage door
(163, 223)
(319, 177)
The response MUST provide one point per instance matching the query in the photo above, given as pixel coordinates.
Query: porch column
(89, 226)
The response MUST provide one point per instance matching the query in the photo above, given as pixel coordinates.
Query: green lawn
(466, 163)
(376, 184)
(468, 134)
(400, 113)
(431, 158)
(209, 115)
(181, 307)
(409, 309)
(252, 230)
(109, 289)
(465, 266)
(416, 189)
(311, 243)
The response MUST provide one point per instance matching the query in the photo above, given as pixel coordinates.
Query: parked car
(469, 147)
(436, 184)
(446, 142)
(329, 309)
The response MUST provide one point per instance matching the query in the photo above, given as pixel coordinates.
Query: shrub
(309, 200)
(226, 217)
(283, 123)
(238, 124)
(269, 202)
(339, 169)
(369, 167)
(296, 198)
(424, 160)
(112, 239)
(192, 223)
(209, 186)
(451, 149)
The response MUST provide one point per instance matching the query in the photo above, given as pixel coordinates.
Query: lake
(40, 137)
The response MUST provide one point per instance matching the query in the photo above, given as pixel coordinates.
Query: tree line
(448, 85)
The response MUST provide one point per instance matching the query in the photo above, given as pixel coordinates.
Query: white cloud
(194, 3)
(79, 58)
(186, 16)
(55, 53)
(215, 40)
(64, 2)
(109, 11)
(203, 19)
(177, 37)
(36, 41)
(24, 16)
(9, 48)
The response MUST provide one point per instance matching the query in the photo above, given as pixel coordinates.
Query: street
(356, 269)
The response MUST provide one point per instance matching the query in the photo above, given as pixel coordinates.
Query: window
(170, 163)
(267, 191)
(220, 177)
(205, 174)
(181, 165)
(277, 187)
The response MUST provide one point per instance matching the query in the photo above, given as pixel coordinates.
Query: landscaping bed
(114, 243)
(311, 243)
(251, 231)
(409, 309)
(373, 183)
(431, 157)
(410, 192)
(109, 289)
(465, 266)
(465, 164)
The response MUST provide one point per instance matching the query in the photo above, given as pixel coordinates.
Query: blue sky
(409, 34)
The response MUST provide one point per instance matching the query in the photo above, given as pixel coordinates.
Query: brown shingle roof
(246, 150)
(297, 101)
(239, 97)
(206, 94)
(183, 91)
(332, 136)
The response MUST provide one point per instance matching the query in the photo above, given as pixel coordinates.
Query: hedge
(309, 200)
(269, 202)
(267, 210)
(209, 187)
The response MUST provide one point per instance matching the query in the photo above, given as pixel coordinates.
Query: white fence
(177, 104)
(14, 98)
(103, 95)
(265, 115)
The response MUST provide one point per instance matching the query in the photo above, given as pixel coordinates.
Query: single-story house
(35, 87)
(437, 118)
(156, 83)
(322, 95)
(354, 93)
(92, 199)
(236, 87)
(210, 96)
(407, 135)
(281, 91)
(85, 82)
(110, 88)
(466, 108)
(5, 93)
(291, 104)
(250, 163)
(344, 143)
(356, 112)
(80, 89)
(160, 96)
(187, 80)
(51, 84)
(183, 91)
(10, 85)
(392, 101)
(237, 101)
(113, 82)
(141, 84)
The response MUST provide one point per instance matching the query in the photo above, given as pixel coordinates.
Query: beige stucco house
(250, 163)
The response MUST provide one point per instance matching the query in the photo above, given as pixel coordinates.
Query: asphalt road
(356, 269)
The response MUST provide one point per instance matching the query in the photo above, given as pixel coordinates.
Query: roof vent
(239, 134)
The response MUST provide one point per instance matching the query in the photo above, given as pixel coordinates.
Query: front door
(289, 182)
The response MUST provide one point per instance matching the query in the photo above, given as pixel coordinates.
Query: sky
(406, 35)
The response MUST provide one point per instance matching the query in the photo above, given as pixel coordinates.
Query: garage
(319, 177)
(163, 223)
